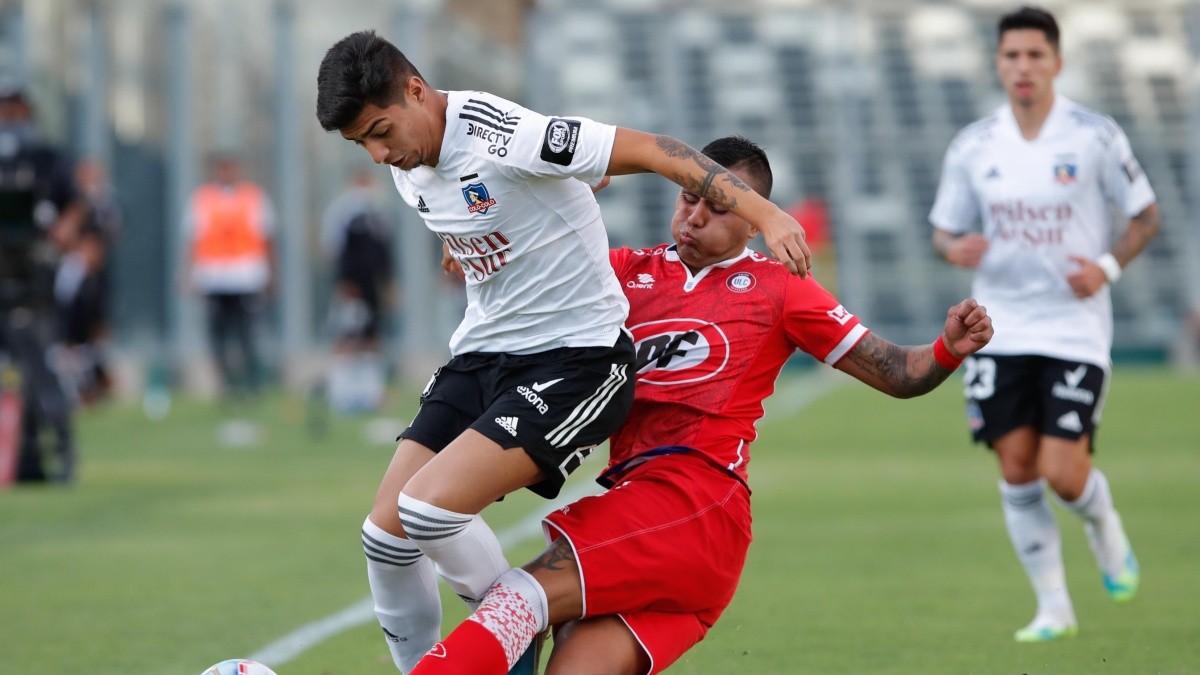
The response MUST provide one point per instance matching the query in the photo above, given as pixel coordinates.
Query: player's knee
(385, 547)
(428, 525)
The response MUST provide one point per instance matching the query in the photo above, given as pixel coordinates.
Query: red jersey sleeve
(619, 258)
(817, 323)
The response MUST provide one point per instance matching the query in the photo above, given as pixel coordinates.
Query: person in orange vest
(228, 226)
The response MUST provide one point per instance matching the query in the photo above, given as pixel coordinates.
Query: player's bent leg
(472, 472)
(1093, 503)
(557, 572)
(495, 637)
(601, 646)
(404, 589)
(1035, 536)
(402, 579)
(439, 509)
(1065, 464)
(408, 459)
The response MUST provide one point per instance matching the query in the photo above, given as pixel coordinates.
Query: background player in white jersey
(1040, 173)
(641, 572)
(541, 361)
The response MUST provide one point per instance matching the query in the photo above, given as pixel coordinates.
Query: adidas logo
(992, 174)
(421, 205)
(1070, 422)
(508, 424)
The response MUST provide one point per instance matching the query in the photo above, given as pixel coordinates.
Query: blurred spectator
(357, 241)
(36, 198)
(81, 284)
(229, 226)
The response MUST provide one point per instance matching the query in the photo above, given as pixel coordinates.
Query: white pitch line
(785, 402)
(310, 635)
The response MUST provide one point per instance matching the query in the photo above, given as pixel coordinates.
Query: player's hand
(968, 328)
(785, 238)
(1086, 280)
(450, 266)
(967, 251)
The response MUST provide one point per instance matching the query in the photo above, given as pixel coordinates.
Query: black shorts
(1056, 397)
(557, 405)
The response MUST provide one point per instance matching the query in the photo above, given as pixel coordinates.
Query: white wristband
(1112, 268)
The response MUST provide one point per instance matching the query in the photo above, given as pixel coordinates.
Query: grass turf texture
(880, 546)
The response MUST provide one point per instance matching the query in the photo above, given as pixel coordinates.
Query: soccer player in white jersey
(541, 371)
(636, 576)
(1041, 173)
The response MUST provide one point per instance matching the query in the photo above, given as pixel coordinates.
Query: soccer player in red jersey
(635, 576)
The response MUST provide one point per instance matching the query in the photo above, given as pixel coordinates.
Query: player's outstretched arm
(905, 372)
(640, 152)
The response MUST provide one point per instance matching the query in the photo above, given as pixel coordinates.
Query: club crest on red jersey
(741, 282)
(678, 351)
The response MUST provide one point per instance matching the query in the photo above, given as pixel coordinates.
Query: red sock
(469, 649)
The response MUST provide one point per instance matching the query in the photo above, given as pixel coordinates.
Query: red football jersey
(709, 347)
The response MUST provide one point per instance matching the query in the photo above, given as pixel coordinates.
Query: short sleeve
(619, 259)
(560, 147)
(817, 323)
(956, 207)
(1123, 180)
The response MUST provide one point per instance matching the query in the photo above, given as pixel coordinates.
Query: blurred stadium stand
(855, 102)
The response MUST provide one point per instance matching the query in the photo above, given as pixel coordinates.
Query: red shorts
(664, 549)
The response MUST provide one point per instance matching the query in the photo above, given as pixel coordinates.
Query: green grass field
(880, 547)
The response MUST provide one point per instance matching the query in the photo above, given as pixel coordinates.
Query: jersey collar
(1057, 117)
(672, 255)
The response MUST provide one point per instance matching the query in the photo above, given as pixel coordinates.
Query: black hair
(360, 68)
(1027, 17)
(737, 152)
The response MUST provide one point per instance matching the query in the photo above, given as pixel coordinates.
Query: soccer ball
(239, 667)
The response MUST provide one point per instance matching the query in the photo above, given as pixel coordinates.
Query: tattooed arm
(905, 372)
(639, 152)
(1090, 277)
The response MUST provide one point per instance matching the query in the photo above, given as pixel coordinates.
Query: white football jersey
(1041, 202)
(505, 199)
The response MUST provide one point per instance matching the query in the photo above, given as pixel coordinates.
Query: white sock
(1102, 523)
(514, 610)
(1035, 537)
(404, 587)
(466, 551)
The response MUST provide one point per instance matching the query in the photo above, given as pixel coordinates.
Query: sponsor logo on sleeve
(1132, 169)
(562, 137)
(840, 315)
